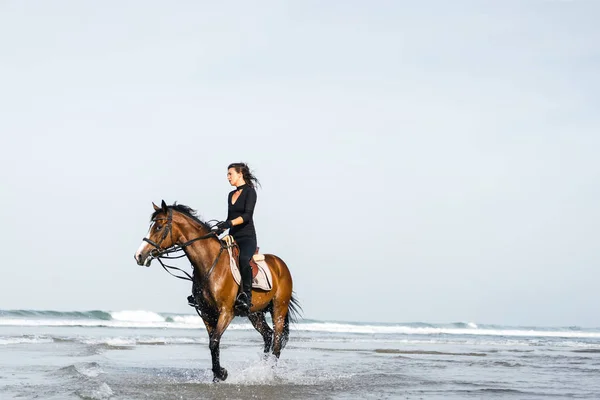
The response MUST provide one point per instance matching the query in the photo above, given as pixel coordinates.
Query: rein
(158, 253)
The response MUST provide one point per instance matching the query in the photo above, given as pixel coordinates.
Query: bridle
(159, 253)
(167, 229)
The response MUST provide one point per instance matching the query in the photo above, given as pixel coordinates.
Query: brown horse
(176, 227)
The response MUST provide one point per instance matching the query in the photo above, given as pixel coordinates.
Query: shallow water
(130, 358)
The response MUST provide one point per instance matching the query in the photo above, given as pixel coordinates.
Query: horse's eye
(158, 227)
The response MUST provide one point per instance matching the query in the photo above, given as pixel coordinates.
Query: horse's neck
(201, 253)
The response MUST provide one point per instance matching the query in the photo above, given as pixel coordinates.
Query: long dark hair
(249, 178)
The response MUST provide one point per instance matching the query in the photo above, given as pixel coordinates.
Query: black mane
(186, 210)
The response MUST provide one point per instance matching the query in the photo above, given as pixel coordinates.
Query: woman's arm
(248, 208)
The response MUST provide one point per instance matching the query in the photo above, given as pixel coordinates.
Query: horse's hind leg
(281, 326)
(260, 324)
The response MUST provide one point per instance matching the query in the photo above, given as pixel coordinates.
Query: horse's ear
(164, 206)
(156, 208)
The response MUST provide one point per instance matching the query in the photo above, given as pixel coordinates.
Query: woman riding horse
(240, 222)
(177, 228)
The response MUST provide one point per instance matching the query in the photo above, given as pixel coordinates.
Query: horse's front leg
(225, 317)
(210, 322)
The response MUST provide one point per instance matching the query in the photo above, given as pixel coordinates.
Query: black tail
(294, 309)
(293, 314)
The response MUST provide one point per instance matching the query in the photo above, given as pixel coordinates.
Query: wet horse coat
(177, 225)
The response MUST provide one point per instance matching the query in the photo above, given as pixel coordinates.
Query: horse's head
(163, 233)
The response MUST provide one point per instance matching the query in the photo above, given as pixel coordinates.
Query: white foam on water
(134, 341)
(241, 327)
(150, 319)
(259, 373)
(120, 342)
(24, 340)
(188, 319)
(171, 340)
(409, 330)
(270, 371)
(325, 327)
(91, 370)
(99, 323)
(137, 316)
(111, 341)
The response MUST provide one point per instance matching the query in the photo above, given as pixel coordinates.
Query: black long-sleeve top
(243, 207)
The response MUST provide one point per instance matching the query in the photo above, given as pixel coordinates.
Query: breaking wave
(150, 319)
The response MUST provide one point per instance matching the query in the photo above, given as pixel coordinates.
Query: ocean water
(148, 355)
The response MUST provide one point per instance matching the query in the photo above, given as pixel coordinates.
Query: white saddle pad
(262, 281)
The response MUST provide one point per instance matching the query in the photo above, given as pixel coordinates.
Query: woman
(240, 222)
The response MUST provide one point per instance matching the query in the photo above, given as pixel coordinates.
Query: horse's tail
(294, 309)
(293, 314)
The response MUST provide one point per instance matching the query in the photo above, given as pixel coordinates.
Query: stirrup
(243, 301)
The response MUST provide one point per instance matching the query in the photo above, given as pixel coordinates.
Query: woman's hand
(224, 225)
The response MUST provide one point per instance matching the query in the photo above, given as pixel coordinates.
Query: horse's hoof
(220, 376)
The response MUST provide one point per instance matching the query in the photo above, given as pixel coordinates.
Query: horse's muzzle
(143, 259)
(139, 258)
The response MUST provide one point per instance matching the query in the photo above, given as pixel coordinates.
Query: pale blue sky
(421, 161)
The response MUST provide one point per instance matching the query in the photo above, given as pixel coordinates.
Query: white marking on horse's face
(142, 247)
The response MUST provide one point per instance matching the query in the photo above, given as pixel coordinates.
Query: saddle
(262, 278)
(228, 239)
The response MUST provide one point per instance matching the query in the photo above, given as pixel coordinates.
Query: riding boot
(244, 299)
(192, 299)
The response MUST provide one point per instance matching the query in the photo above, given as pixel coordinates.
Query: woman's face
(235, 178)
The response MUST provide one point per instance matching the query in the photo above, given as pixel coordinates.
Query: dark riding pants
(247, 247)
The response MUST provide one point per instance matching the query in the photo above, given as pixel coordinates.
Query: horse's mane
(186, 210)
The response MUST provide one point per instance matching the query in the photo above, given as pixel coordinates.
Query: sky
(420, 161)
